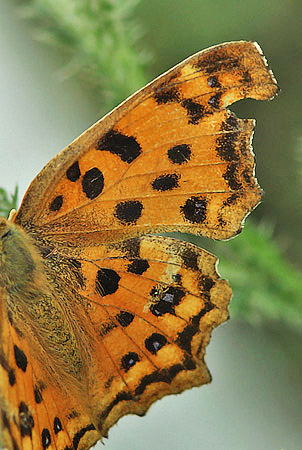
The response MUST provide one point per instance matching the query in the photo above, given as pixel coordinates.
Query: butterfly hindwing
(152, 303)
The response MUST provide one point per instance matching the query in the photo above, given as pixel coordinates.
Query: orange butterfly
(98, 317)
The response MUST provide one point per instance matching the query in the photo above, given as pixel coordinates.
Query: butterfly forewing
(173, 142)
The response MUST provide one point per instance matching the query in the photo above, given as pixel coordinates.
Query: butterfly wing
(33, 415)
(151, 304)
(170, 158)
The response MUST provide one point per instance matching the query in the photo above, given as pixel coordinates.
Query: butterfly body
(99, 318)
(33, 302)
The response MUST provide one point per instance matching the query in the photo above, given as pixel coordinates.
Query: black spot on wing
(177, 278)
(93, 183)
(11, 377)
(214, 101)
(129, 360)
(195, 111)
(164, 301)
(179, 154)
(164, 94)
(231, 176)
(155, 342)
(38, 395)
(128, 212)
(226, 146)
(26, 421)
(138, 266)
(107, 282)
(166, 182)
(195, 209)
(190, 258)
(20, 358)
(124, 318)
(206, 283)
(10, 372)
(46, 438)
(57, 425)
(73, 173)
(213, 82)
(126, 147)
(56, 203)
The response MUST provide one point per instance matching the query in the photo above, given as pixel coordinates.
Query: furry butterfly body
(98, 317)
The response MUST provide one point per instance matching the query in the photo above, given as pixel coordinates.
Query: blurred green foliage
(103, 43)
(8, 201)
(99, 40)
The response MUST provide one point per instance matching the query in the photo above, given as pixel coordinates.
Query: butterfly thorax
(33, 306)
(17, 263)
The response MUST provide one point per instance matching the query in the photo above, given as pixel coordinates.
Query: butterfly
(100, 316)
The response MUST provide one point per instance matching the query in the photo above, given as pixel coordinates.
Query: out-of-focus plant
(8, 201)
